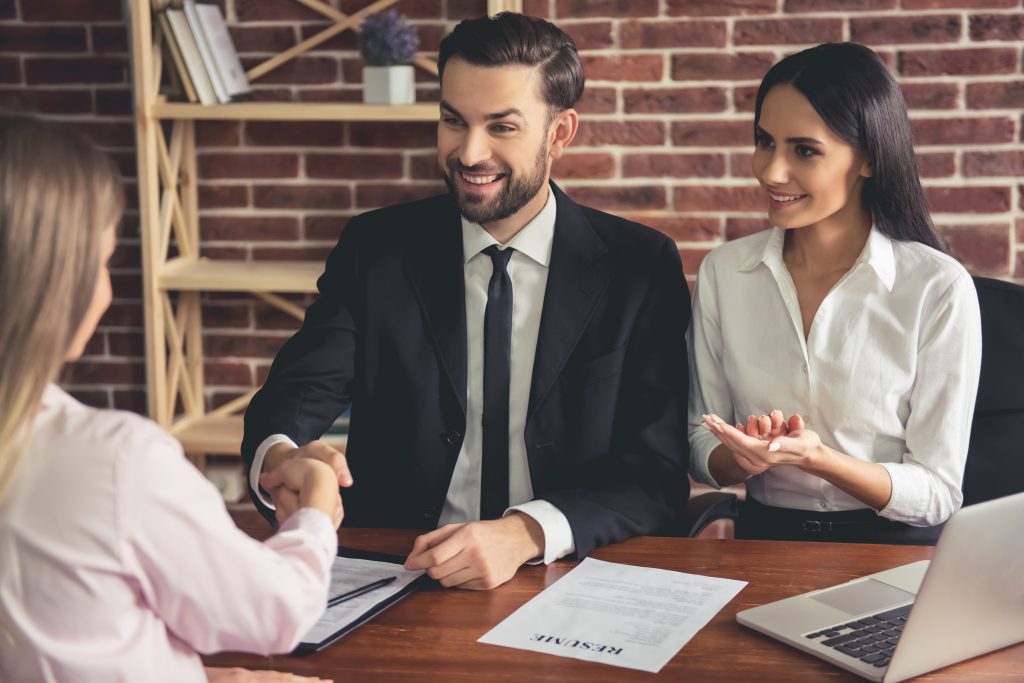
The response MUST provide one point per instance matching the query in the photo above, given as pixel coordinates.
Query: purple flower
(386, 40)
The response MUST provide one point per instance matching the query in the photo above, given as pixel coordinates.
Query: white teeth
(786, 197)
(479, 179)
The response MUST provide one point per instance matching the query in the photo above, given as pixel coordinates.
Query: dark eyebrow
(795, 141)
(489, 117)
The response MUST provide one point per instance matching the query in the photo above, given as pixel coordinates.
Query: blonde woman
(118, 561)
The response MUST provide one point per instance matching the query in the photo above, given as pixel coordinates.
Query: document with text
(633, 617)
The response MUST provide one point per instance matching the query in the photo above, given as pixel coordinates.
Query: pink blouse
(119, 562)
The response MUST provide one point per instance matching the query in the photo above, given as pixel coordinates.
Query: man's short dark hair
(510, 38)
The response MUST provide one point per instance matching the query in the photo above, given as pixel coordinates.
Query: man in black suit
(508, 355)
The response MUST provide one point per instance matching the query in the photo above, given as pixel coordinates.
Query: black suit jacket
(606, 424)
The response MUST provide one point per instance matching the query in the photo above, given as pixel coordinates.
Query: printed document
(347, 574)
(633, 617)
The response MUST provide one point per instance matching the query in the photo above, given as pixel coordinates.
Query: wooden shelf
(240, 276)
(296, 111)
(223, 435)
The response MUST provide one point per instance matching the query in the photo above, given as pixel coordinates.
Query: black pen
(356, 592)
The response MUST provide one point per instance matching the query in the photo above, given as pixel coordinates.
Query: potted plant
(387, 43)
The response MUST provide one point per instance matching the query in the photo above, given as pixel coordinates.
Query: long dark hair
(857, 97)
(510, 38)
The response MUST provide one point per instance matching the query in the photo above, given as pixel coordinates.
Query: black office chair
(995, 456)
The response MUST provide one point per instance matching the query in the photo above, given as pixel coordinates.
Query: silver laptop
(903, 622)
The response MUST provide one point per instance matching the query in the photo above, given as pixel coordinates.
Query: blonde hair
(58, 194)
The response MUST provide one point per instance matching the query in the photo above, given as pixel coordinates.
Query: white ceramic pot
(389, 84)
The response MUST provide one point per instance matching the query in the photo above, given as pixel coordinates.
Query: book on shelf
(174, 61)
(190, 55)
(217, 49)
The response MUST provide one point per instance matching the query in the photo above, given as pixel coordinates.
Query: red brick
(96, 345)
(936, 164)
(57, 70)
(302, 196)
(982, 61)
(270, 318)
(741, 227)
(674, 100)
(264, 39)
(222, 373)
(269, 94)
(108, 133)
(999, 95)
(46, 101)
(70, 10)
(324, 227)
(624, 68)
(311, 253)
(355, 166)
(931, 95)
(1018, 272)
(597, 101)
(249, 228)
(21, 38)
(329, 95)
(739, 165)
(123, 314)
(105, 372)
(802, 6)
(223, 196)
(948, 131)
(715, 66)
(219, 133)
(412, 9)
(373, 196)
(584, 165)
(1020, 223)
(114, 102)
(218, 315)
(958, 4)
(533, 8)
(993, 163)
(112, 39)
(620, 198)
(299, 71)
(720, 8)
(606, 8)
(744, 97)
(787, 31)
(681, 228)
(346, 40)
(589, 35)
(222, 252)
(633, 133)
(692, 258)
(1005, 27)
(968, 199)
(8, 10)
(261, 10)
(403, 135)
(680, 33)
(10, 70)
(133, 400)
(745, 198)
(96, 398)
(982, 249)
(127, 344)
(126, 285)
(673, 165)
(248, 165)
(248, 345)
(712, 133)
(295, 134)
(889, 30)
(423, 167)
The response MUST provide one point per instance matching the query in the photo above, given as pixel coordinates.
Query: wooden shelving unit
(169, 213)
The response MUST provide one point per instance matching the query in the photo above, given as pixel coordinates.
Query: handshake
(308, 476)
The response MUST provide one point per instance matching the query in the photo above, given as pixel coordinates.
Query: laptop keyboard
(871, 639)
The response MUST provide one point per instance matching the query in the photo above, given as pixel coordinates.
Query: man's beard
(516, 193)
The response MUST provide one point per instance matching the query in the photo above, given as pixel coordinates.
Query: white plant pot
(389, 84)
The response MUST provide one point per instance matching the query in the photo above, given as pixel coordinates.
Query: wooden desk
(431, 635)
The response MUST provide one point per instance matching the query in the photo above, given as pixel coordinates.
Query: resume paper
(633, 617)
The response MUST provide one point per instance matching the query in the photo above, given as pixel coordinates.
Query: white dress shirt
(888, 373)
(118, 561)
(528, 271)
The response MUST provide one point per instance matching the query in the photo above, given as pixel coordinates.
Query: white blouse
(888, 373)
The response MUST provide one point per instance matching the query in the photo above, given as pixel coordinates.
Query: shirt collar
(534, 240)
(878, 253)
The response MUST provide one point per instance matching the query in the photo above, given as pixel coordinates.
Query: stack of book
(200, 54)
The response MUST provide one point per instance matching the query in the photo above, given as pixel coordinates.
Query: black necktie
(497, 373)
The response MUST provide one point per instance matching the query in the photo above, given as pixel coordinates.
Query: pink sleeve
(215, 587)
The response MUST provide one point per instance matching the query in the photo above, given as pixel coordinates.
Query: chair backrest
(995, 460)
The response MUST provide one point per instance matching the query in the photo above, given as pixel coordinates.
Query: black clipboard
(306, 648)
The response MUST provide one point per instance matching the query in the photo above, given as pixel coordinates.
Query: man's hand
(286, 501)
(304, 482)
(237, 675)
(478, 555)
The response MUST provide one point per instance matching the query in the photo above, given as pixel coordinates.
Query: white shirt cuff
(558, 540)
(257, 464)
(318, 525)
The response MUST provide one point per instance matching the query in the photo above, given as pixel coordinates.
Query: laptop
(900, 623)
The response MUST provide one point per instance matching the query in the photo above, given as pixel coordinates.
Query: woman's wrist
(817, 460)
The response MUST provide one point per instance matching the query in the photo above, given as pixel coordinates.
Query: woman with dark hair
(846, 316)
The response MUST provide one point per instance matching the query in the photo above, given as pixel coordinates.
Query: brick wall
(665, 137)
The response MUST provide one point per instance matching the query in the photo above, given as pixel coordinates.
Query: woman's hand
(237, 675)
(765, 442)
(304, 482)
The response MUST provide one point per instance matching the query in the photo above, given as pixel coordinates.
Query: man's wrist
(531, 533)
(276, 454)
